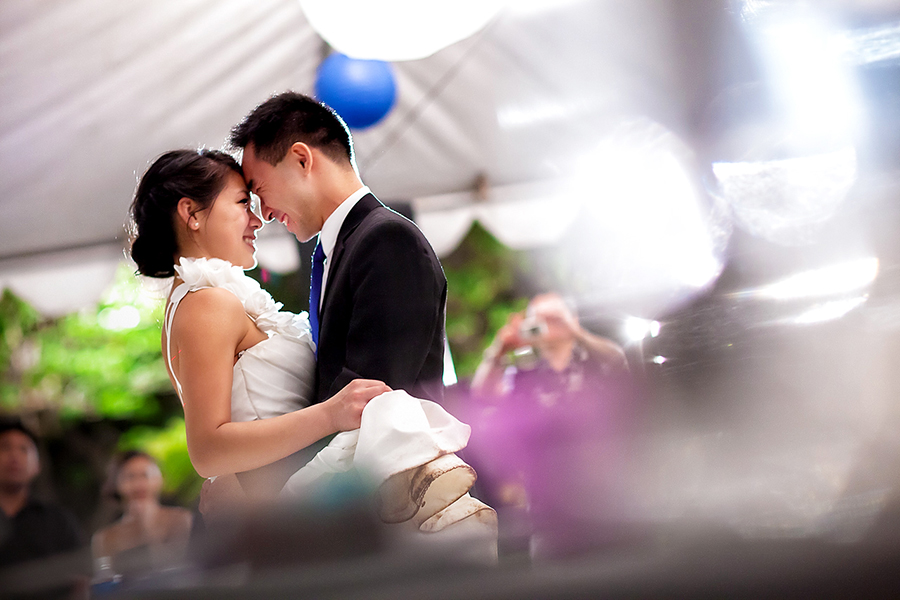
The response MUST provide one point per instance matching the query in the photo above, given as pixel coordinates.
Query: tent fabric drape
(519, 216)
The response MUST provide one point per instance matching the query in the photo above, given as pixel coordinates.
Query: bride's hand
(347, 405)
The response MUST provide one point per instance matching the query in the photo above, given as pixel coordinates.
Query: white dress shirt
(332, 227)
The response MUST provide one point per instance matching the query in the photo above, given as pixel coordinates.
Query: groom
(379, 288)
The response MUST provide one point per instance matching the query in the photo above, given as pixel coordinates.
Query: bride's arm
(208, 329)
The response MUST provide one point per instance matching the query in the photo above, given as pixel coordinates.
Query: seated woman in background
(148, 535)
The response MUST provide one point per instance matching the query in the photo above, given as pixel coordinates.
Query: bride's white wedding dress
(404, 444)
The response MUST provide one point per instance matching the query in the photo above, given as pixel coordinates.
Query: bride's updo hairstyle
(196, 174)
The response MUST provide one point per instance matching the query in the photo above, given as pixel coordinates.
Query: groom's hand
(347, 405)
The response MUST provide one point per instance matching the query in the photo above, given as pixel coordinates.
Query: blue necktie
(315, 291)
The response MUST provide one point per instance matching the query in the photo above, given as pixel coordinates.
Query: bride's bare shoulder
(208, 307)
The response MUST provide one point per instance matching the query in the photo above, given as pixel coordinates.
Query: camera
(532, 328)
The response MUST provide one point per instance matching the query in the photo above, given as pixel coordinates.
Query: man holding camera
(549, 332)
(552, 427)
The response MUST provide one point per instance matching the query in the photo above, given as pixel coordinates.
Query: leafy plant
(17, 321)
(485, 284)
(99, 363)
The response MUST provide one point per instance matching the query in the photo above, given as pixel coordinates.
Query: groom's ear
(301, 154)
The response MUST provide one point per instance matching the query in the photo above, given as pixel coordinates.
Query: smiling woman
(181, 181)
(226, 228)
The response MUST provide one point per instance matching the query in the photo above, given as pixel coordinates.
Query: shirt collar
(332, 225)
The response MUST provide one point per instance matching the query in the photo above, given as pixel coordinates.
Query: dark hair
(15, 424)
(111, 487)
(287, 118)
(196, 174)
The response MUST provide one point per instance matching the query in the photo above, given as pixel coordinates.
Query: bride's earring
(195, 225)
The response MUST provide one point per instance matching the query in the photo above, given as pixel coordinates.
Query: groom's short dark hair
(282, 120)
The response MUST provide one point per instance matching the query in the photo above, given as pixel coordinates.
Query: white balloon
(396, 30)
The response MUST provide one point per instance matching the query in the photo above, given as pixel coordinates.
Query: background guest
(149, 535)
(561, 345)
(33, 531)
(553, 405)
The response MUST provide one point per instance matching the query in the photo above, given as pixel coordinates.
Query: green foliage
(485, 282)
(102, 363)
(17, 320)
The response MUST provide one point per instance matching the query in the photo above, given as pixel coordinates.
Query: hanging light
(395, 30)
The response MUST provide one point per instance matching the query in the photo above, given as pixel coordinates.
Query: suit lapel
(360, 210)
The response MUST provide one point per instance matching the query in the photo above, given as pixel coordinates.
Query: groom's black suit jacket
(382, 316)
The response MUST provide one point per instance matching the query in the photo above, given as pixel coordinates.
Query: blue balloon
(361, 91)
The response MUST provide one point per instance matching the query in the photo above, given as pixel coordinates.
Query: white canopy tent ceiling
(95, 89)
(92, 90)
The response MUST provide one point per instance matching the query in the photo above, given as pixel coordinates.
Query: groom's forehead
(251, 174)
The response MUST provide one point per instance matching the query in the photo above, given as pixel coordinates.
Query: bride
(244, 370)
